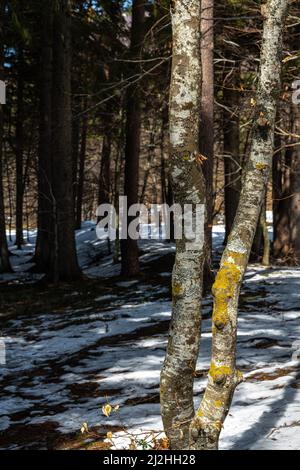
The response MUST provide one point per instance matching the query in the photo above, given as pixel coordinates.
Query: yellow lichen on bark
(218, 371)
(224, 288)
(261, 166)
(177, 289)
(239, 376)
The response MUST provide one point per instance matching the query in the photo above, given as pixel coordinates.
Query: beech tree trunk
(223, 375)
(64, 265)
(177, 375)
(129, 247)
(4, 255)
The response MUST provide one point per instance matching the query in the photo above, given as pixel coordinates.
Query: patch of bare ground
(90, 390)
(277, 373)
(30, 436)
(93, 439)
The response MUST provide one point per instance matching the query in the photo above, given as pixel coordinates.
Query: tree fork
(223, 375)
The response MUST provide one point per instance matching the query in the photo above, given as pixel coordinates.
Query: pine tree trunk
(45, 222)
(104, 177)
(265, 234)
(20, 149)
(223, 375)
(80, 184)
(163, 175)
(295, 189)
(232, 160)
(4, 255)
(64, 265)
(282, 162)
(129, 247)
(75, 150)
(207, 122)
(177, 377)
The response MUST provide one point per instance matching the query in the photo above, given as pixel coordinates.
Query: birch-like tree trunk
(223, 375)
(177, 376)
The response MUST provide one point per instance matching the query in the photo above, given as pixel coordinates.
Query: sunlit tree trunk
(223, 375)
(177, 376)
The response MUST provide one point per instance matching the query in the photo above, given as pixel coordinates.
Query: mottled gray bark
(177, 376)
(223, 375)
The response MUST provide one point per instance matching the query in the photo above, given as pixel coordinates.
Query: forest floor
(73, 349)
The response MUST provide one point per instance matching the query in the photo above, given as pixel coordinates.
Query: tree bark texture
(223, 375)
(188, 183)
(64, 258)
(207, 119)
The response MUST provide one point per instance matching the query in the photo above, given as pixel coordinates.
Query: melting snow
(121, 351)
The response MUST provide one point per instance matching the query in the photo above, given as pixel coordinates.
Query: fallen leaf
(84, 428)
(106, 410)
